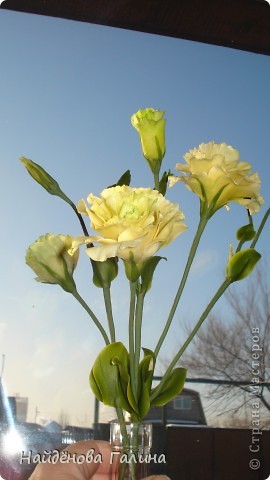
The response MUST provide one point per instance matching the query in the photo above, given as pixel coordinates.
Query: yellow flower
(50, 260)
(133, 223)
(214, 172)
(151, 127)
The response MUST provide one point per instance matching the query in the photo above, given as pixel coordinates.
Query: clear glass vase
(131, 444)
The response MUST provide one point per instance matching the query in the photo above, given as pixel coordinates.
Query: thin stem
(177, 357)
(92, 315)
(133, 288)
(108, 306)
(240, 244)
(122, 422)
(259, 231)
(85, 231)
(156, 180)
(130, 442)
(124, 434)
(193, 249)
(73, 206)
(138, 332)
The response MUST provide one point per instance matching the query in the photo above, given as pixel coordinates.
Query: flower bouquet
(130, 226)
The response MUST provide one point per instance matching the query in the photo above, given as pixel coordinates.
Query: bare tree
(236, 349)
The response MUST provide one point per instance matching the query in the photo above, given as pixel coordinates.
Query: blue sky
(67, 92)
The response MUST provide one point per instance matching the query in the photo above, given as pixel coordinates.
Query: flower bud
(132, 269)
(41, 176)
(104, 272)
(49, 259)
(241, 264)
(151, 127)
(245, 233)
(45, 180)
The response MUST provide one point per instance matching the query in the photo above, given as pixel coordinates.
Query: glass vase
(131, 444)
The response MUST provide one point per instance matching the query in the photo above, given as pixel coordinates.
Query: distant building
(185, 409)
(12, 409)
(19, 407)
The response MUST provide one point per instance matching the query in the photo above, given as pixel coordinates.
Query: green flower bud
(245, 233)
(41, 176)
(104, 272)
(44, 179)
(151, 127)
(241, 264)
(49, 259)
(132, 269)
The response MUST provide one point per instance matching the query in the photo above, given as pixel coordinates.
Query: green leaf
(147, 273)
(163, 183)
(109, 377)
(146, 370)
(172, 387)
(144, 401)
(147, 351)
(123, 180)
(245, 233)
(241, 264)
(146, 367)
(94, 386)
(131, 399)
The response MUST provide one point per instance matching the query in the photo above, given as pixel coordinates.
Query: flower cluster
(133, 224)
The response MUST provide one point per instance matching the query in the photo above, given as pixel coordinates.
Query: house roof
(240, 24)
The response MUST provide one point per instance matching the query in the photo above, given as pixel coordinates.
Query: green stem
(138, 332)
(108, 306)
(133, 288)
(92, 315)
(73, 206)
(121, 420)
(259, 231)
(85, 231)
(124, 434)
(156, 180)
(177, 357)
(240, 244)
(193, 249)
